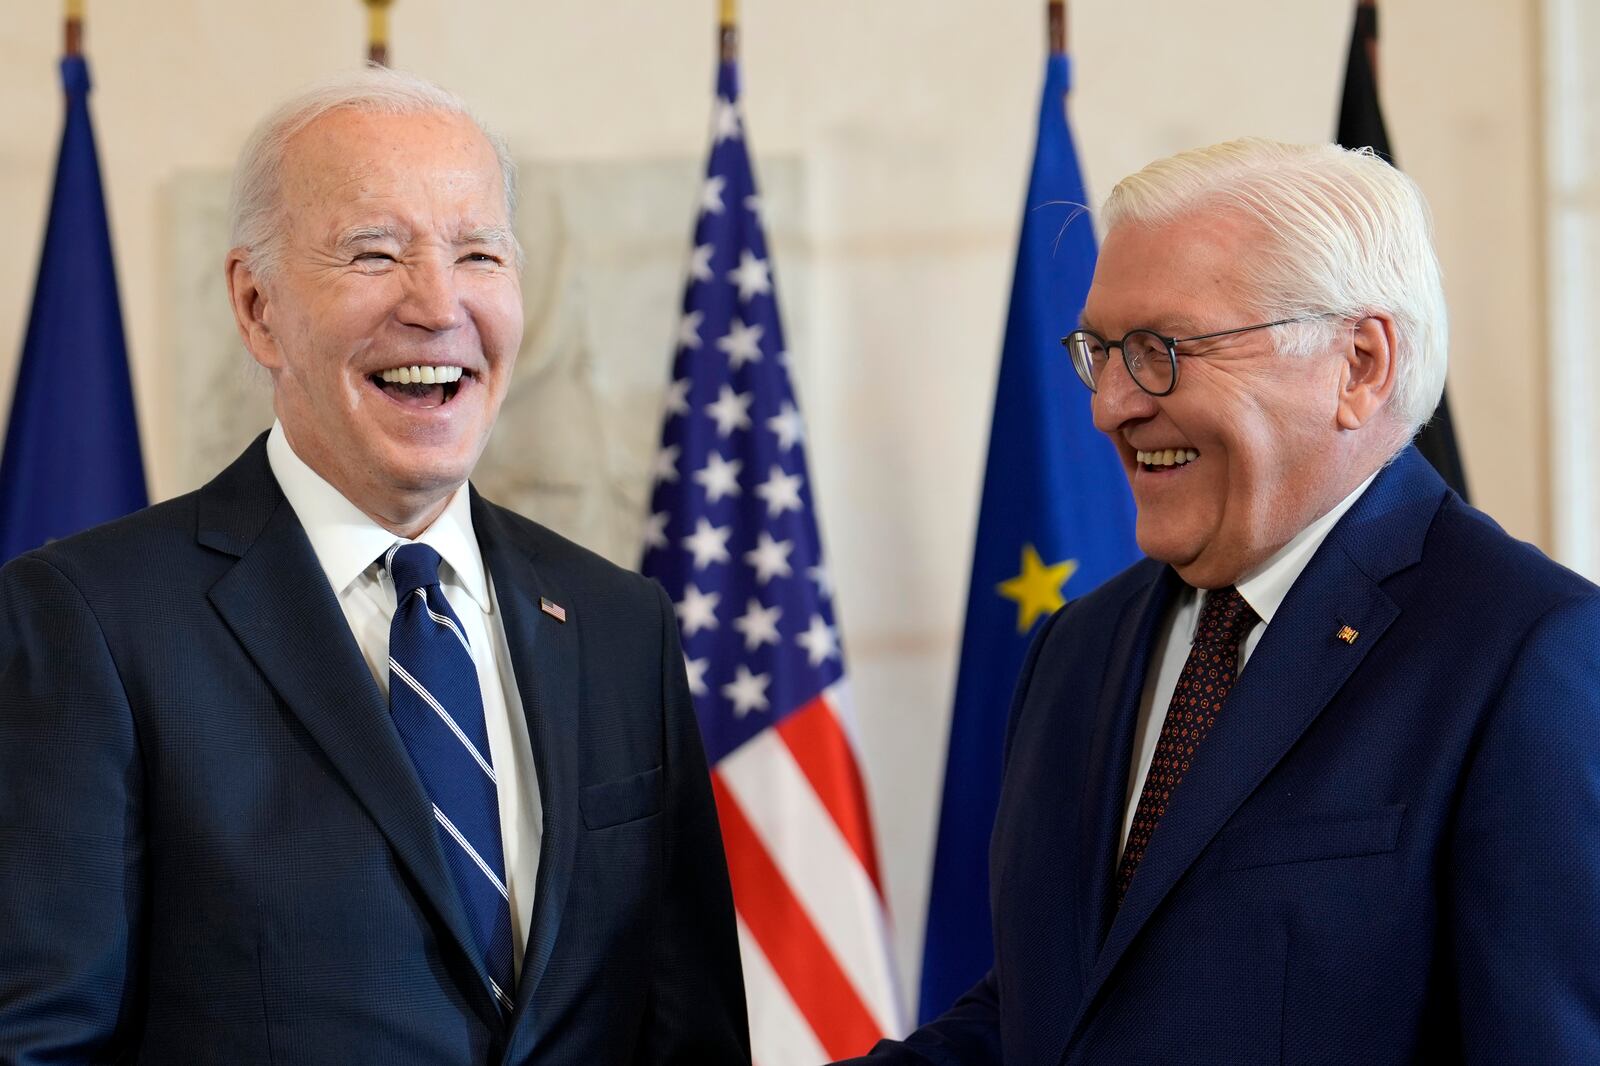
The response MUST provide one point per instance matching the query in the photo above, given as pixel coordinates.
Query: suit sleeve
(697, 1007)
(1525, 858)
(968, 1034)
(71, 837)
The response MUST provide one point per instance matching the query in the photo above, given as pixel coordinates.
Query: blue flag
(71, 456)
(1056, 520)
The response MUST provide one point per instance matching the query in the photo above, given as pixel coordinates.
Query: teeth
(422, 375)
(1167, 457)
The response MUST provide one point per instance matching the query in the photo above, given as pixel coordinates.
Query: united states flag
(733, 537)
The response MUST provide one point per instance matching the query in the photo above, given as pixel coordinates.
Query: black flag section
(1361, 126)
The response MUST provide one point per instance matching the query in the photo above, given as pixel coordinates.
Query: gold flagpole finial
(728, 30)
(1057, 10)
(378, 31)
(75, 27)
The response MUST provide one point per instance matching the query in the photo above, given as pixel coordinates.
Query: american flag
(733, 538)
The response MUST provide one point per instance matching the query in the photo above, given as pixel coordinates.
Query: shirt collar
(1266, 588)
(346, 542)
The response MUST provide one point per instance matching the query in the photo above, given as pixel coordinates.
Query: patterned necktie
(438, 711)
(1208, 675)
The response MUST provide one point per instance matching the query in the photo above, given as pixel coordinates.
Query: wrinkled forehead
(351, 162)
(1177, 276)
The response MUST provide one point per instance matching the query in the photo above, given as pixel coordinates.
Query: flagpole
(378, 32)
(1058, 27)
(728, 30)
(74, 27)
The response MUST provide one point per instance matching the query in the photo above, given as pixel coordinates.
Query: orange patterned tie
(1207, 677)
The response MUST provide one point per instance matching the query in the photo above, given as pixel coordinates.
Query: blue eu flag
(71, 455)
(1056, 520)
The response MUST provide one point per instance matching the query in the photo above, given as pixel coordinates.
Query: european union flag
(71, 456)
(1056, 520)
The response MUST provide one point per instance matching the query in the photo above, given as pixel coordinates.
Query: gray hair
(1348, 235)
(253, 206)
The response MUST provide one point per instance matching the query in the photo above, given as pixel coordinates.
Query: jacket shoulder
(148, 541)
(578, 566)
(1469, 554)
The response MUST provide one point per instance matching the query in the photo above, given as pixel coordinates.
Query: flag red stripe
(819, 745)
(776, 919)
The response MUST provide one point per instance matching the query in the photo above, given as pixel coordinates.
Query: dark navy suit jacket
(214, 849)
(1387, 850)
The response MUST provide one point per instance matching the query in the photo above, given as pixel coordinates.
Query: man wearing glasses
(1319, 780)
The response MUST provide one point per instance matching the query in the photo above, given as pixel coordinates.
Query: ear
(248, 297)
(1366, 380)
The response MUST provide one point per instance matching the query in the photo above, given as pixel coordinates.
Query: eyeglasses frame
(1171, 345)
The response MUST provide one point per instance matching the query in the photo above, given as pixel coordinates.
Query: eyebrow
(368, 234)
(1177, 328)
(488, 235)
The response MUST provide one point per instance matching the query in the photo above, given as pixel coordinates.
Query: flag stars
(666, 465)
(819, 577)
(719, 477)
(1037, 589)
(770, 558)
(700, 261)
(676, 400)
(708, 543)
(781, 491)
(711, 194)
(787, 426)
(743, 343)
(655, 530)
(752, 276)
(689, 330)
(696, 669)
(758, 624)
(819, 640)
(725, 120)
(697, 610)
(747, 691)
(731, 411)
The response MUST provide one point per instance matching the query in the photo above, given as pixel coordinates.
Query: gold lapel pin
(1347, 634)
(559, 613)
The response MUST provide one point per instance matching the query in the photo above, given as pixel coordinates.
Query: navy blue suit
(1386, 851)
(214, 848)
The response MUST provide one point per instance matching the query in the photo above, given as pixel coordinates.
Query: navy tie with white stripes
(438, 711)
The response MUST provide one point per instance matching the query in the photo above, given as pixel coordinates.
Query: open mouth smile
(1164, 459)
(421, 386)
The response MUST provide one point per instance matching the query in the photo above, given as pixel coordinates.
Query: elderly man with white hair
(1319, 779)
(333, 761)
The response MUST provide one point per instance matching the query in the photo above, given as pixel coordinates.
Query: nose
(1118, 400)
(431, 301)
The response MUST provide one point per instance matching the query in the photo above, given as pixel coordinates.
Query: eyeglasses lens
(1088, 356)
(1148, 360)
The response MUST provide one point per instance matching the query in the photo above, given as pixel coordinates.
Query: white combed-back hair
(254, 207)
(1348, 235)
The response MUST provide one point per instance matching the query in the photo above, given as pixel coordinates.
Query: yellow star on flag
(1037, 589)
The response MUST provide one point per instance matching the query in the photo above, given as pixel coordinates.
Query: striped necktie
(438, 711)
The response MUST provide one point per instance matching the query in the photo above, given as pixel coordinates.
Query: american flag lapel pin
(553, 609)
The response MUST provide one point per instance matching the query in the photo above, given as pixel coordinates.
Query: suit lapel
(1110, 754)
(277, 602)
(1299, 666)
(544, 655)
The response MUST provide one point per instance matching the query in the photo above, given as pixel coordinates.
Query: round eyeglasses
(1151, 358)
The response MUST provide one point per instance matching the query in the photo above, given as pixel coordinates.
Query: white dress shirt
(349, 545)
(1264, 590)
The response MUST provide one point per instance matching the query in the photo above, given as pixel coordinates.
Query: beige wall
(912, 121)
